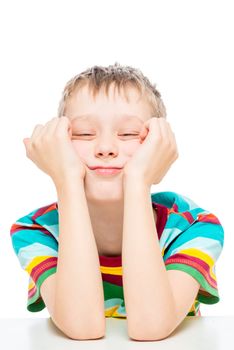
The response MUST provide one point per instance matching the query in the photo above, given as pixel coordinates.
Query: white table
(208, 333)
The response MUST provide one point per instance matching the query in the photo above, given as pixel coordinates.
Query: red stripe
(189, 217)
(210, 218)
(162, 215)
(44, 210)
(114, 279)
(186, 214)
(32, 291)
(17, 228)
(196, 263)
(42, 267)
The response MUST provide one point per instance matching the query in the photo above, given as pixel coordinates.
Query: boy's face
(108, 121)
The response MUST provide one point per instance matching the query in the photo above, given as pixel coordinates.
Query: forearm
(79, 299)
(148, 295)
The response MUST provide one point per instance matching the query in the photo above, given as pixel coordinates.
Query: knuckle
(58, 135)
(160, 139)
(37, 126)
(168, 144)
(165, 144)
(34, 143)
(45, 139)
(51, 121)
(63, 118)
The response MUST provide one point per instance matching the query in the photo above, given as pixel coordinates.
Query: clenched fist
(51, 149)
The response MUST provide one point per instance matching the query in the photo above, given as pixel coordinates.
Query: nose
(106, 148)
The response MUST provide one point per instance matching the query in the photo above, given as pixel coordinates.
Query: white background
(185, 47)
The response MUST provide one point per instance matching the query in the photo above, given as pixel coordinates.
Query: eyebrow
(92, 116)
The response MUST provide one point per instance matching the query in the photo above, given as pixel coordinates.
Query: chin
(104, 190)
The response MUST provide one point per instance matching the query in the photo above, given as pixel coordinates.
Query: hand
(51, 149)
(156, 154)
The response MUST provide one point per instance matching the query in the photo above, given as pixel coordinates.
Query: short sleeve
(194, 246)
(37, 250)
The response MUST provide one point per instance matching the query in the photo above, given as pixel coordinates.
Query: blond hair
(122, 76)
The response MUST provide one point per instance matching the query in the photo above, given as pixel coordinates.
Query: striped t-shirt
(191, 240)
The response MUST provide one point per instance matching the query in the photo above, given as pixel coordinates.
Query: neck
(107, 222)
(106, 213)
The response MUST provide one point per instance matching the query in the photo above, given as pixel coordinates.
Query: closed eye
(82, 135)
(129, 134)
(92, 135)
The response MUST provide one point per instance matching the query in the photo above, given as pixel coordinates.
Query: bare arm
(79, 299)
(155, 313)
(74, 296)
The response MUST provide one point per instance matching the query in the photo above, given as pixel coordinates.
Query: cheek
(126, 148)
(82, 151)
(130, 148)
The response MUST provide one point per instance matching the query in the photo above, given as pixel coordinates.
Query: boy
(108, 243)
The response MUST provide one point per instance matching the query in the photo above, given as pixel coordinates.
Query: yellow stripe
(201, 255)
(111, 270)
(192, 309)
(37, 260)
(109, 311)
(31, 285)
(104, 269)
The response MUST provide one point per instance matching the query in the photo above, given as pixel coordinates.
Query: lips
(107, 171)
(103, 167)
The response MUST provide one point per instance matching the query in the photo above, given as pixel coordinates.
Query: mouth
(106, 171)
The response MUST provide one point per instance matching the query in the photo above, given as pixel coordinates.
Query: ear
(144, 132)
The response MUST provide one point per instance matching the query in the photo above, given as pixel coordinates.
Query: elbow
(93, 331)
(87, 334)
(84, 335)
(149, 334)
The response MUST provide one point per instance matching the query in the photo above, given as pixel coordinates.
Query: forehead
(120, 118)
(125, 105)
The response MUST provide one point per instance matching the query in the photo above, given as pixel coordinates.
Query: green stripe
(112, 291)
(214, 296)
(40, 305)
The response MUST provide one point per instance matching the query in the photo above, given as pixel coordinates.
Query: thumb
(25, 141)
